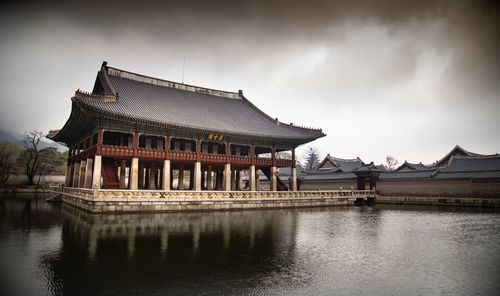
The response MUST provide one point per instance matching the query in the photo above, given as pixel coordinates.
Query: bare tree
(31, 155)
(311, 158)
(8, 155)
(391, 163)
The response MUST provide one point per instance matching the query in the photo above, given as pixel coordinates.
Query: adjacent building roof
(346, 165)
(124, 95)
(456, 151)
(412, 166)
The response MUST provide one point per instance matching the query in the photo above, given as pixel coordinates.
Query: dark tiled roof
(412, 166)
(346, 165)
(172, 104)
(456, 151)
(472, 164)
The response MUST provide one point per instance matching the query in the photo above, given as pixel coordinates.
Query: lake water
(48, 249)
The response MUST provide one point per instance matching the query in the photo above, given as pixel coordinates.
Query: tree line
(29, 158)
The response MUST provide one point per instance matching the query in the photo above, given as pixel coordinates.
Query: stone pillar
(203, 179)
(257, 180)
(123, 168)
(209, 178)
(166, 175)
(96, 177)
(274, 183)
(238, 179)
(251, 178)
(152, 176)
(76, 174)
(218, 179)
(88, 173)
(233, 180)
(83, 172)
(197, 176)
(140, 184)
(67, 177)
(191, 179)
(227, 177)
(134, 174)
(180, 183)
(294, 179)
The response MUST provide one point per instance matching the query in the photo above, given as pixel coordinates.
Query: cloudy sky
(407, 78)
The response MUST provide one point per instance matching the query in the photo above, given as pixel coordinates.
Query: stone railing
(106, 193)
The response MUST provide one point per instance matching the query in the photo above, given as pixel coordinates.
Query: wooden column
(99, 141)
(96, 176)
(134, 174)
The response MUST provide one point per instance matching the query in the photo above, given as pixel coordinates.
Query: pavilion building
(142, 133)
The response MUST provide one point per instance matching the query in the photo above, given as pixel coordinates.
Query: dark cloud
(429, 64)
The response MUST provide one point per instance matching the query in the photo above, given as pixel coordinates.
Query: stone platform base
(446, 201)
(105, 201)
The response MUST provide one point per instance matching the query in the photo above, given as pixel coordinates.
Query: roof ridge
(170, 84)
(345, 159)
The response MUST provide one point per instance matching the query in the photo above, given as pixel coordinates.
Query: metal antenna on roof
(183, 63)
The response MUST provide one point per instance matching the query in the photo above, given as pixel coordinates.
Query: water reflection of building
(248, 226)
(120, 251)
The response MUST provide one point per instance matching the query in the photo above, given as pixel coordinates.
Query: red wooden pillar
(252, 154)
(273, 156)
(198, 150)
(167, 146)
(228, 152)
(136, 144)
(99, 141)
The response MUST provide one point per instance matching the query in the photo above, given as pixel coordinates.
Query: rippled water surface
(50, 249)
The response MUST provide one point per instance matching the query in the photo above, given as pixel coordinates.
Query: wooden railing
(153, 153)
